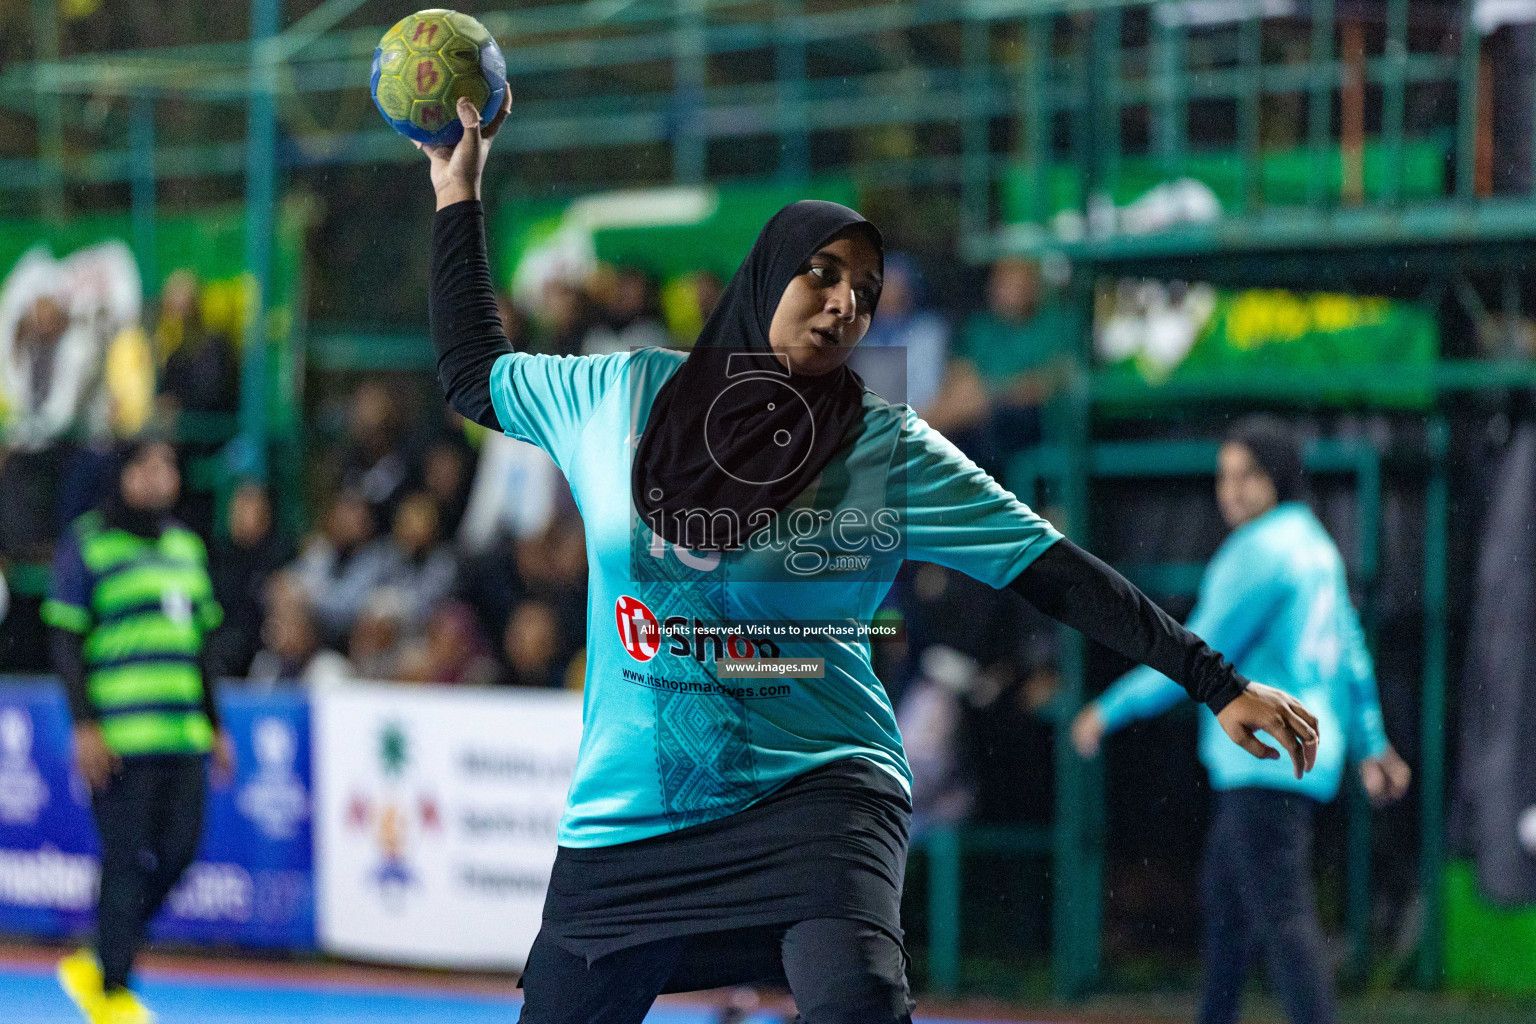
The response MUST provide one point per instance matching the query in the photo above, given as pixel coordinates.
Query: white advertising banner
(436, 811)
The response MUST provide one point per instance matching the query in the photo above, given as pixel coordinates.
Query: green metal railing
(666, 80)
(1160, 77)
(943, 848)
(994, 81)
(1432, 701)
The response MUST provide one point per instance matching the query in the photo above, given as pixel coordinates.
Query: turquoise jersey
(1275, 601)
(665, 744)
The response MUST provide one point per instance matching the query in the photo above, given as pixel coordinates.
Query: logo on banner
(638, 630)
(275, 799)
(394, 817)
(23, 793)
(214, 892)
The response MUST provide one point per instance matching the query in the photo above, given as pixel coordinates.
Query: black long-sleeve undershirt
(1066, 582)
(68, 649)
(1072, 586)
(461, 307)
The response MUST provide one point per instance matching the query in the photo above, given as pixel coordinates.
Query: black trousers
(1259, 899)
(839, 971)
(150, 818)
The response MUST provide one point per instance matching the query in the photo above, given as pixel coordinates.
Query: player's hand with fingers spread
(1263, 708)
(456, 169)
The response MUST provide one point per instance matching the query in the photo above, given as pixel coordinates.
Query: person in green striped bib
(130, 605)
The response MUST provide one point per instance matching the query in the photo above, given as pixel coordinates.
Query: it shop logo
(643, 636)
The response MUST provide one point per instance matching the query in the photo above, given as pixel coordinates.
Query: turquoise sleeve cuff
(1118, 705)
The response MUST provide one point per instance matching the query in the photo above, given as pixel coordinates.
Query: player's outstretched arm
(1072, 586)
(466, 326)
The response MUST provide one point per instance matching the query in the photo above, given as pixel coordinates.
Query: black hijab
(116, 512)
(1277, 450)
(736, 434)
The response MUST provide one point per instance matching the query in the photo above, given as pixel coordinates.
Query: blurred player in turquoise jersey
(1276, 600)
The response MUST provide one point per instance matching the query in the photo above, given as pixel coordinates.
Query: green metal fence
(1029, 84)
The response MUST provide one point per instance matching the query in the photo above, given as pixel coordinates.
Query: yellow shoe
(123, 1007)
(80, 978)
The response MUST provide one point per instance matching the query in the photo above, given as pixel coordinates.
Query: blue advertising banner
(253, 881)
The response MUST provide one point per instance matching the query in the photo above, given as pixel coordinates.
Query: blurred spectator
(488, 582)
(419, 566)
(687, 302)
(374, 646)
(178, 305)
(631, 316)
(1011, 359)
(342, 565)
(532, 645)
(533, 565)
(1002, 734)
(566, 315)
(453, 650)
(553, 568)
(708, 288)
(200, 372)
(372, 461)
(445, 475)
(513, 494)
(50, 377)
(514, 322)
(34, 360)
(290, 634)
(901, 326)
(242, 564)
(130, 381)
(58, 321)
(950, 608)
(929, 719)
(29, 494)
(1008, 729)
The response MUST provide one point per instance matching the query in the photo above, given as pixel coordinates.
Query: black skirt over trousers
(801, 889)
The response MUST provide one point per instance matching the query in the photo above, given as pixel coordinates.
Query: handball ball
(425, 63)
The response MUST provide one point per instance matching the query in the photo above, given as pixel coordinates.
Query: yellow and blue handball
(425, 63)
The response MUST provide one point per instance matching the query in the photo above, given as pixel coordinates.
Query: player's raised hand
(1263, 708)
(456, 169)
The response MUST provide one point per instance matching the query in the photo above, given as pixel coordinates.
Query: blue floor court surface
(29, 995)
